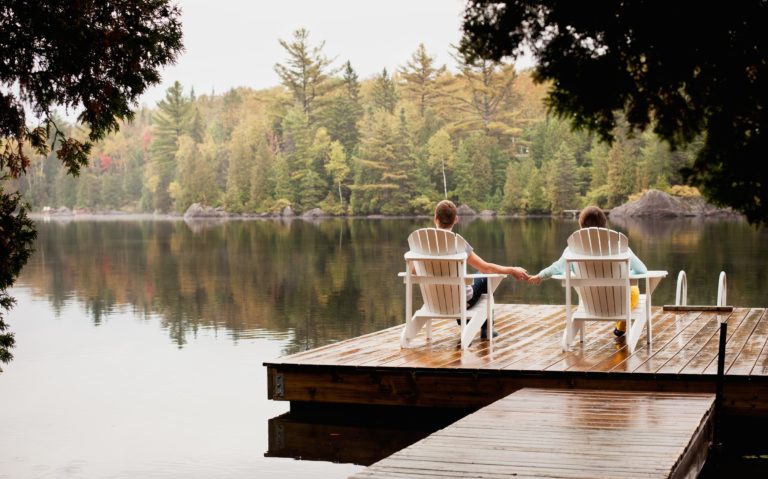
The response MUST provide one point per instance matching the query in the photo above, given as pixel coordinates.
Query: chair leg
(649, 328)
(429, 330)
(568, 333)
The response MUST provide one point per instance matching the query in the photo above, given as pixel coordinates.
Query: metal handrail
(722, 290)
(681, 295)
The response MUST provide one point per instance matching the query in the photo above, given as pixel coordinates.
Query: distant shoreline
(123, 216)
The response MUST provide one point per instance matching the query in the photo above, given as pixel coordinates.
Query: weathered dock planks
(373, 369)
(566, 434)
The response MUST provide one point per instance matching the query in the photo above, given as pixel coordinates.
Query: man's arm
(485, 267)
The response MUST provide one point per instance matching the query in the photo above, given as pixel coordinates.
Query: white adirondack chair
(437, 262)
(597, 266)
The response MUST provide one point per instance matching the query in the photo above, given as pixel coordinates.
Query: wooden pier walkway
(373, 369)
(565, 434)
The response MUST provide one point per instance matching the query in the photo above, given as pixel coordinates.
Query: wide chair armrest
(577, 258)
(652, 278)
(468, 279)
(650, 274)
(486, 275)
(411, 256)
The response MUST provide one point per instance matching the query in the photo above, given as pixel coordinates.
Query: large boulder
(287, 212)
(196, 210)
(314, 213)
(62, 211)
(657, 204)
(464, 210)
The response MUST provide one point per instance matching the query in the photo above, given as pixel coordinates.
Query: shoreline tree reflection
(316, 282)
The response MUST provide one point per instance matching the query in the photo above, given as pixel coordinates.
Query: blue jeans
(479, 287)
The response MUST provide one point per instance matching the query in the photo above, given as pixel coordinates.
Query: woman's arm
(637, 266)
(558, 267)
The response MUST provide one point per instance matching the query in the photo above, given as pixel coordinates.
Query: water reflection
(323, 281)
(352, 433)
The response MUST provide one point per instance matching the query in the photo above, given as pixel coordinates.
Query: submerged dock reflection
(351, 433)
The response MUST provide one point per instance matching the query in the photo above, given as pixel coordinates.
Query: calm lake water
(140, 343)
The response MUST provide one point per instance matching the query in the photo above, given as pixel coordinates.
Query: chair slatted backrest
(601, 300)
(439, 298)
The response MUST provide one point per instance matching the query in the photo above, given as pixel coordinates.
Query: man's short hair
(445, 213)
(592, 217)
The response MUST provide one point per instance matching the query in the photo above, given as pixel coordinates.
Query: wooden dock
(373, 369)
(566, 434)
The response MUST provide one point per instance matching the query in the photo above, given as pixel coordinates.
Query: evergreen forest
(476, 132)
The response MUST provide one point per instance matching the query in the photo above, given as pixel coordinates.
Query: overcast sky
(231, 43)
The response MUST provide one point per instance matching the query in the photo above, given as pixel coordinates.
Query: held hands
(519, 273)
(534, 279)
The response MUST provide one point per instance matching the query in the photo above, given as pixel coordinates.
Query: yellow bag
(634, 298)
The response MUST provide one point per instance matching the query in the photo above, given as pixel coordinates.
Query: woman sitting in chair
(593, 217)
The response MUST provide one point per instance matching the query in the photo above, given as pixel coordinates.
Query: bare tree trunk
(445, 183)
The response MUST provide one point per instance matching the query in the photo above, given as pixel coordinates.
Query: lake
(140, 343)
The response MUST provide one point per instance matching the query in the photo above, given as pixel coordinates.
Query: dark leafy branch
(683, 69)
(91, 57)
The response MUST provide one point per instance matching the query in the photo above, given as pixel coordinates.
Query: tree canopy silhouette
(691, 72)
(94, 58)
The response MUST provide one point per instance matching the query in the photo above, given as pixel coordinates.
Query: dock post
(717, 446)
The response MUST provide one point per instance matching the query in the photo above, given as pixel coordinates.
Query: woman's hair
(592, 216)
(445, 213)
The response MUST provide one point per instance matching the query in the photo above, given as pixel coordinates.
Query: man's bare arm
(485, 267)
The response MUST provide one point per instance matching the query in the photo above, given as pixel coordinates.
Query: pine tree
(419, 79)
(296, 152)
(621, 171)
(262, 179)
(513, 190)
(383, 94)
(314, 181)
(196, 126)
(305, 72)
(375, 158)
(562, 186)
(535, 197)
(484, 98)
(283, 185)
(473, 170)
(401, 172)
(345, 111)
(170, 122)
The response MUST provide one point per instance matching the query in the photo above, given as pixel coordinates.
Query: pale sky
(232, 43)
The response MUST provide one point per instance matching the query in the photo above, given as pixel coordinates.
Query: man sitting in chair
(446, 216)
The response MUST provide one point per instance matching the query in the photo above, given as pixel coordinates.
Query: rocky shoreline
(657, 204)
(653, 204)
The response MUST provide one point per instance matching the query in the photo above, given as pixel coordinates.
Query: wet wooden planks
(684, 342)
(373, 369)
(565, 434)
